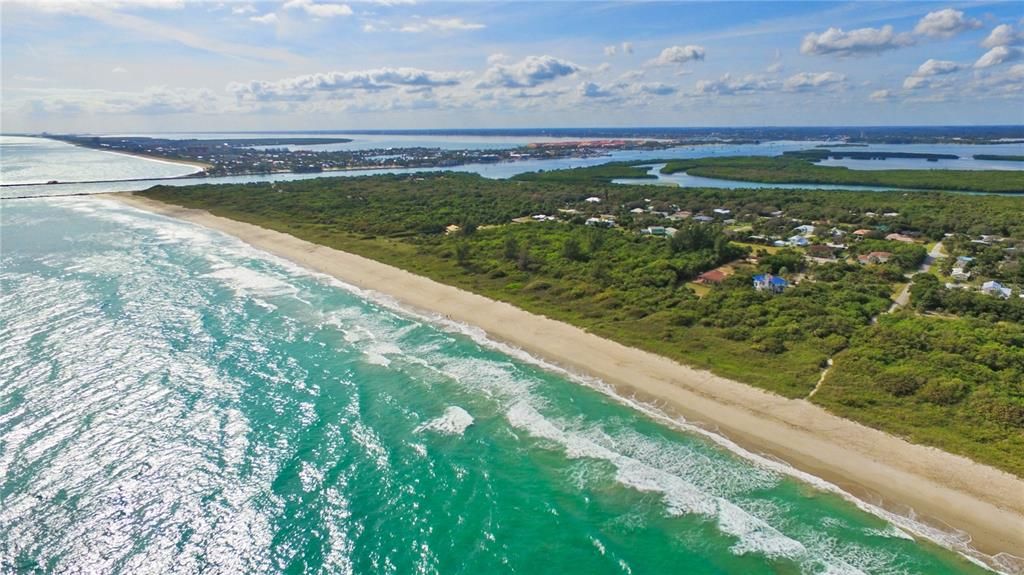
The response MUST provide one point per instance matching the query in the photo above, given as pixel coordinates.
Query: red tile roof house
(899, 238)
(711, 277)
(874, 258)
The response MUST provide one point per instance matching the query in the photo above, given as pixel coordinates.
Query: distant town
(232, 157)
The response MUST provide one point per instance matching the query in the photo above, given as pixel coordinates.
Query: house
(960, 274)
(799, 241)
(770, 283)
(862, 233)
(805, 230)
(894, 237)
(703, 219)
(593, 200)
(637, 211)
(654, 231)
(964, 260)
(682, 215)
(600, 222)
(997, 289)
(712, 277)
(722, 211)
(777, 214)
(874, 258)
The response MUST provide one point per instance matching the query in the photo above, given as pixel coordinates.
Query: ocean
(175, 401)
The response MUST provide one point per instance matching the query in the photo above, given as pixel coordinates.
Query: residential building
(874, 258)
(770, 283)
(997, 289)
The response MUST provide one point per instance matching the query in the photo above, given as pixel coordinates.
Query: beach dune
(942, 489)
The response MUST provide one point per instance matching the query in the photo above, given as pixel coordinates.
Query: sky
(108, 66)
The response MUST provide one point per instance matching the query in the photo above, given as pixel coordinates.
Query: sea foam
(454, 421)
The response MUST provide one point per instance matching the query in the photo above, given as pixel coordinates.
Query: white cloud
(441, 25)
(119, 70)
(774, 68)
(243, 9)
(302, 88)
(324, 10)
(880, 96)
(945, 24)
(153, 101)
(527, 73)
(268, 18)
(80, 6)
(996, 56)
(1008, 83)
(811, 80)
(656, 89)
(921, 78)
(678, 55)
(728, 85)
(1003, 35)
(624, 48)
(592, 90)
(860, 41)
(933, 67)
(914, 82)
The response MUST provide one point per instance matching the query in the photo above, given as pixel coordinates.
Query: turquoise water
(176, 401)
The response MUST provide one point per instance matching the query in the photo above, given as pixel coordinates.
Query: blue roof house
(768, 282)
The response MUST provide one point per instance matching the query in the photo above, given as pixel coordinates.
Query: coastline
(941, 488)
(200, 166)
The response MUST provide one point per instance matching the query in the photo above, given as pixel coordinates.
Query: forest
(638, 288)
(797, 169)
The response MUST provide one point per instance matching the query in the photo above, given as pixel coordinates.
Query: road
(904, 296)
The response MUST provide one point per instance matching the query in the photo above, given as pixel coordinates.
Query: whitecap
(454, 421)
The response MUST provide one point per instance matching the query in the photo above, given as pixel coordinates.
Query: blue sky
(147, 65)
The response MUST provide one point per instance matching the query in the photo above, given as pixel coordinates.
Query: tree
(462, 253)
(523, 259)
(511, 250)
(571, 249)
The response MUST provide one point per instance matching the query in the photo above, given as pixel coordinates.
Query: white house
(805, 229)
(722, 211)
(593, 200)
(960, 274)
(799, 241)
(997, 289)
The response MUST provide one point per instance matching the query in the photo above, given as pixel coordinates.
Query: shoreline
(940, 488)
